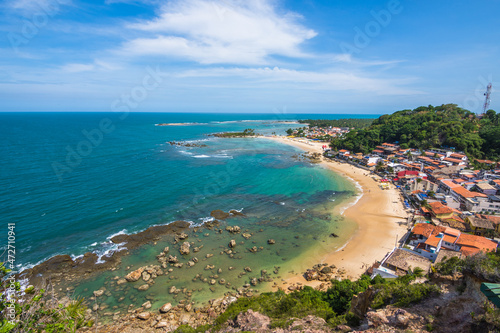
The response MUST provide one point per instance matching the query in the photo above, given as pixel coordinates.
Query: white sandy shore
(379, 214)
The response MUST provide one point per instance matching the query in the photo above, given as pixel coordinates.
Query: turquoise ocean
(70, 181)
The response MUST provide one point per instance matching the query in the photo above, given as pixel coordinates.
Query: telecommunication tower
(487, 99)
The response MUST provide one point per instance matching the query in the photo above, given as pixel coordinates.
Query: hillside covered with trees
(430, 126)
(357, 123)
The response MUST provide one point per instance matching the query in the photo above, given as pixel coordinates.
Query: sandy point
(379, 214)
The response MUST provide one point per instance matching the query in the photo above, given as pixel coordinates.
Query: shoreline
(370, 241)
(379, 215)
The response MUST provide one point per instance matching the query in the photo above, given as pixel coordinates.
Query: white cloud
(29, 7)
(218, 31)
(326, 80)
(98, 65)
(76, 68)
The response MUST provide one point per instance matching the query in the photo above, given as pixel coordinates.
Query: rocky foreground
(450, 312)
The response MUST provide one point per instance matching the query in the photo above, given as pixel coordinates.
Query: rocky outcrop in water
(233, 230)
(186, 144)
(184, 250)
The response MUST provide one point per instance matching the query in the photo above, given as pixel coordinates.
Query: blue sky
(247, 56)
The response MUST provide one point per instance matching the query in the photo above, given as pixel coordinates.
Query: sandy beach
(380, 216)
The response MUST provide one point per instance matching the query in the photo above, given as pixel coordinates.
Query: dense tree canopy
(357, 123)
(430, 126)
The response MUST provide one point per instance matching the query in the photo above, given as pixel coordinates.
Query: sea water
(70, 181)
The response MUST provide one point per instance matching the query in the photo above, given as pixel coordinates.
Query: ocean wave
(184, 152)
(214, 156)
(355, 201)
(121, 232)
(108, 250)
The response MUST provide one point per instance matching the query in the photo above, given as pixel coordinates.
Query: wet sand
(379, 214)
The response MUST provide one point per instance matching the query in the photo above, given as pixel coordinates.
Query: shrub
(34, 311)
(450, 266)
(339, 295)
(402, 294)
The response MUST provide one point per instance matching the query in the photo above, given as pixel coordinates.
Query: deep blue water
(68, 191)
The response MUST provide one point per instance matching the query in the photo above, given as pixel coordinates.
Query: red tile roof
(450, 183)
(493, 219)
(466, 193)
(449, 238)
(433, 241)
(453, 160)
(438, 208)
(473, 244)
(427, 230)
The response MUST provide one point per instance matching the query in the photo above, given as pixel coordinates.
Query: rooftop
(403, 260)
(479, 222)
(471, 244)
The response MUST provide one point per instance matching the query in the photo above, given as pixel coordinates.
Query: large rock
(144, 287)
(253, 322)
(361, 302)
(144, 315)
(311, 275)
(184, 250)
(219, 214)
(166, 308)
(172, 259)
(326, 270)
(232, 243)
(233, 230)
(121, 281)
(135, 275)
(271, 241)
(236, 213)
(98, 293)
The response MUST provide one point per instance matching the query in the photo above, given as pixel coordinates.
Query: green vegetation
(430, 126)
(246, 132)
(36, 311)
(332, 305)
(401, 294)
(357, 123)
(483, 265)
(489, 321)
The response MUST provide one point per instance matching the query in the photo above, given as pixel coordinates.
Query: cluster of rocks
(169, 317)
(251, 321)
(323, 272)
(308, 156)
(186, 144)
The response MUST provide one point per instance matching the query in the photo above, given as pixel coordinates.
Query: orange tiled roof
(466, 193)
(478, 242)
(450, 183)
(427, 230)
(455, 155)
(438, 208)
(449, 238)
(453, 160)
(433, 241)
(469, 251)
(492, 219)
